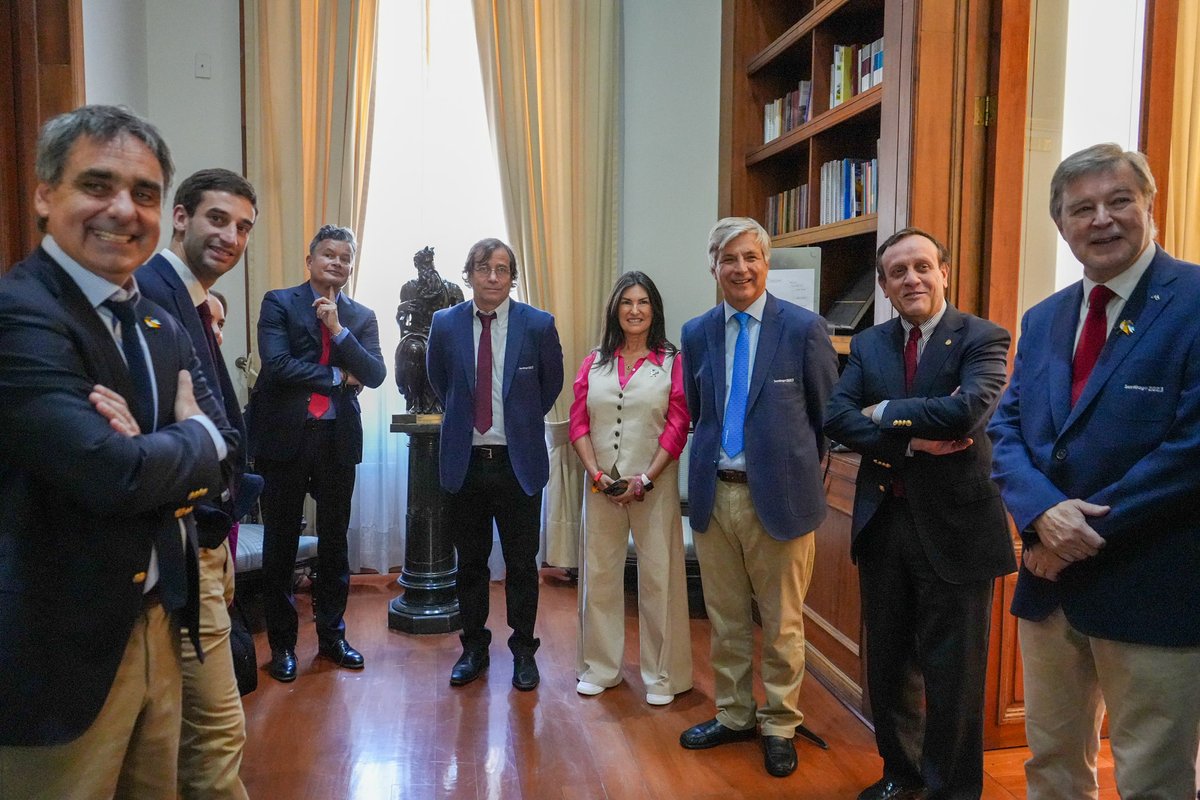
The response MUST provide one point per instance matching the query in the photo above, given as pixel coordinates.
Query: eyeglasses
(483, 270)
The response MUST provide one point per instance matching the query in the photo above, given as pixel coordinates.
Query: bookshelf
(776, 45)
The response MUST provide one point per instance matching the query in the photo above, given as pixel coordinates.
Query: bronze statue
(419, 298)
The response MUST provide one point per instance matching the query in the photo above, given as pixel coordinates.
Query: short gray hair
(335, 232)
(1099, 158)
(102, 123)
(728, 229)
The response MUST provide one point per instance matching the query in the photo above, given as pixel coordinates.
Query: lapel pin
(1127, 327)
(1155, 297)
(151, 323)
(947, 342)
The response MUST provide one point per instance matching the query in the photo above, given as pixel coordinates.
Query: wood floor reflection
(398, 731)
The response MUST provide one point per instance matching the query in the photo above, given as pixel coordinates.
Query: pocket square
(783, 380)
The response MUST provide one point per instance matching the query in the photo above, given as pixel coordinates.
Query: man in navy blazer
(214, 211)
(100, 471)
(496, 391)
(755, 489)
(319, 349)
(1096, 444)
(929, 533)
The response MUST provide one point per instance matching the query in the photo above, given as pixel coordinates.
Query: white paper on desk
(795, 275)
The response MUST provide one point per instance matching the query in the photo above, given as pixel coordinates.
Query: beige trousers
(1153, 700)
(214, 726)
(664, 635)
(130, 750)
(738, 561)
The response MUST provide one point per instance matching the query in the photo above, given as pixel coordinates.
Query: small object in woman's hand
(617, 487)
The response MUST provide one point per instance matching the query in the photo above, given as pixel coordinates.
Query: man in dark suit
(496, 365)
(213, 214)
(757, 374)
(1096, 456)
(319, 349)
(111, 436)
(929, 533)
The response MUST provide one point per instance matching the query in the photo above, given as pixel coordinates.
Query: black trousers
(314, 471)
(491, 492)
(922, 630)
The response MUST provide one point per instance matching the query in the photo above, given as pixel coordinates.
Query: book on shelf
(855, 69)
(787, 211)
(849, 188)
(788, 112)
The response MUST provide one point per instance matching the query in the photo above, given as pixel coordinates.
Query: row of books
(785, 113)
(849, 188)
(787, 211)
(855, 68)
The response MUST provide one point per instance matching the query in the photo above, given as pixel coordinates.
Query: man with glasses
(496, 365)
(319, 349)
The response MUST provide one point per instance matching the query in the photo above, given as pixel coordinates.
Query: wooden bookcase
(939, 160)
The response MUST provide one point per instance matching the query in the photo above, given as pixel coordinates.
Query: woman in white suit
(629, 423)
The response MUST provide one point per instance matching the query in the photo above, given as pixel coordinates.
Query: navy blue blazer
(794, 370)
(533, 377)
(80, 502)
(289, 344)
(1132, 442)
(959, 517)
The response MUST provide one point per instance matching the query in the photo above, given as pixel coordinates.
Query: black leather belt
(731, 476)
(490, 452)
(319, 423)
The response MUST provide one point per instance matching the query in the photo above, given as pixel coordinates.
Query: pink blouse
(674, 435)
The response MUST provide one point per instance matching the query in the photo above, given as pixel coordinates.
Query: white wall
(672, 115)
(143, 55)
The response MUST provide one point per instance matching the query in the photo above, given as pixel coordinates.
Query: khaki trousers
(738, 561)
(214, 726)
(1153, 700)
(130, 750)
(664, 635)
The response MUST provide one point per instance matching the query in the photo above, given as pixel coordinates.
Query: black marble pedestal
(429, 603)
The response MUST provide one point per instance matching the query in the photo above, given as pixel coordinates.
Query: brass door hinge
(985, 111)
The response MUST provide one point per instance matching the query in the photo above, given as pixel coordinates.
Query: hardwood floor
(398, 731)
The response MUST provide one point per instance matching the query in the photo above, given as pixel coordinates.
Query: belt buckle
(485, 451)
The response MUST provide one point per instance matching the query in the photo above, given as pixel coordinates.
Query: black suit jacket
(289, 343)
(957, 509)
(79, 503)
(158, 281)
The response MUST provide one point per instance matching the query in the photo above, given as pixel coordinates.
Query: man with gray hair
(319, 349)
(1095, 454)
(757, 373)
(110, 437)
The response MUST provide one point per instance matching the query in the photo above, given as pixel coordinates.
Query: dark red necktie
(1091, 339)
(318, 404)
(206, 322)
(483, 374)
(910, 358)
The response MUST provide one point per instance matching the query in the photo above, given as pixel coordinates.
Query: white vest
(626, 423)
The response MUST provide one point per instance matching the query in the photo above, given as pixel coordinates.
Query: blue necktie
(733, 436)
(142, 403)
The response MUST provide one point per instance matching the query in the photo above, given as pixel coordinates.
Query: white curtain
(433, 182)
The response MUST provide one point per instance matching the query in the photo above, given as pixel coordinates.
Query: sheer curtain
(1182, 234)
(433, 182)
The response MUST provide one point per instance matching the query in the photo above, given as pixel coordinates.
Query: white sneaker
(659, 699)
(590, 689)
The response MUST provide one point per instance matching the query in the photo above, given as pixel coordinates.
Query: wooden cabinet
(939, 157)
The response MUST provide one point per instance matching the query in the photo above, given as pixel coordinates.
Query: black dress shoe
(525, 672)
(341, 653)
(779, 756)
(283, 665)
(887, 789)
(712, 733)
(470, 665)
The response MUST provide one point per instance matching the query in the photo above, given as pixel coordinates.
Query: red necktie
(206, 322)
(1091, 339)
(318, 404)
(483, 375)
(910, 358)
